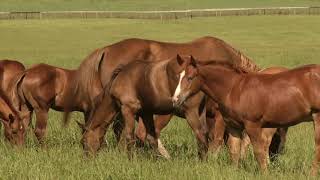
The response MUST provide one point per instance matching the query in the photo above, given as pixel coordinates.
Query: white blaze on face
(178, 89)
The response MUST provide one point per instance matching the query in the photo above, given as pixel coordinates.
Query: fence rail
(162, 14)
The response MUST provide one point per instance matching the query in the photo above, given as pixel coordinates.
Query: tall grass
(270, 41)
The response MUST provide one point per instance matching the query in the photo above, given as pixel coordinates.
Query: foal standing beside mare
(256, 101)
(96, 70)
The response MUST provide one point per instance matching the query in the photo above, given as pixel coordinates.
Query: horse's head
(14, 129)
(189, 83)
(175, 70)
(92, 139)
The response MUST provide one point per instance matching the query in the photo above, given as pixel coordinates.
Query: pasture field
(269, 40)
(134, 5)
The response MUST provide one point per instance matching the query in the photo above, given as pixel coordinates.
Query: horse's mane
(227, 64)
(245, 62)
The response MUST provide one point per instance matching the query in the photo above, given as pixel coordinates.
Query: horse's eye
(190, 78)
(14, 131)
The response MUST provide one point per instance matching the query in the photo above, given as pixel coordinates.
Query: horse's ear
(193, 61)
(179, 60)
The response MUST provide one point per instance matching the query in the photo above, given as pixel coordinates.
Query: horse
(40, 88)
(96, 70)
(13, 129)
(256, 101)
(148, 90)
(217, 133)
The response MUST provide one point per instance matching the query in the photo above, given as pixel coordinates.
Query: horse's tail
(86, 76)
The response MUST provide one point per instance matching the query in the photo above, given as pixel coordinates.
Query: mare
(255, 101)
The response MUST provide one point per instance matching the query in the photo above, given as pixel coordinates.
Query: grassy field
(269, 40)
(54, 5)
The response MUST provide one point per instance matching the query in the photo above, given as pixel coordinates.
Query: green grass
(54, 5)
(269, 40)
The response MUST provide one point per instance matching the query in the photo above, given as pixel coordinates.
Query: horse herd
(223, 95)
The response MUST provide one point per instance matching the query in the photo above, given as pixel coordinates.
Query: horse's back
(9, 69)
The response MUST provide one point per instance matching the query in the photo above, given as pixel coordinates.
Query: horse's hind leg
(316, 162)
(245, 142)
(41, 123)
(216, 127)
(152, 137)
(234, 144)
(128, 113)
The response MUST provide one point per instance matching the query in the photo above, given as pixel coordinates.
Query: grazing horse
(42, 87)
(255, 101)
(13, 129)
(96, 70)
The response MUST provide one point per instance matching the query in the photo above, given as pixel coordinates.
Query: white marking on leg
(162, 150)
(178, 89)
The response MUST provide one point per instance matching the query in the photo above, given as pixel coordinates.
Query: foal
(143, 89)
(256, 101)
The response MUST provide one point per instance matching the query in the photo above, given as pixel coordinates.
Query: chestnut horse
(256, 101)
(217, 133)
(40, 88)
(143, 89)
(96, 70)
(13, 129)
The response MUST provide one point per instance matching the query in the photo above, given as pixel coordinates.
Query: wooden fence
(162, 14)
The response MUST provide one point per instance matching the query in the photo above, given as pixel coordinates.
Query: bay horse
(96, 70)
(255, 101)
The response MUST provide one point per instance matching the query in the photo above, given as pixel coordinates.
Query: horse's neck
(159, 77)
(218, 82)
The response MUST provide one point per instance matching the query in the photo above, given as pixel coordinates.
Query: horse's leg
(118, 126)
(192, 117)
(316, 162)
(267, 134)
(217, 129)
(258, 142)
(141, 132)
(128, 114)
(153, 138)
(245, 142)
(234, 143)
(160, 122)
(278, 142)
(41, 123)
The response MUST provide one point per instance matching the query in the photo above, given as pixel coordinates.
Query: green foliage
(269, 40)
(133, 5)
